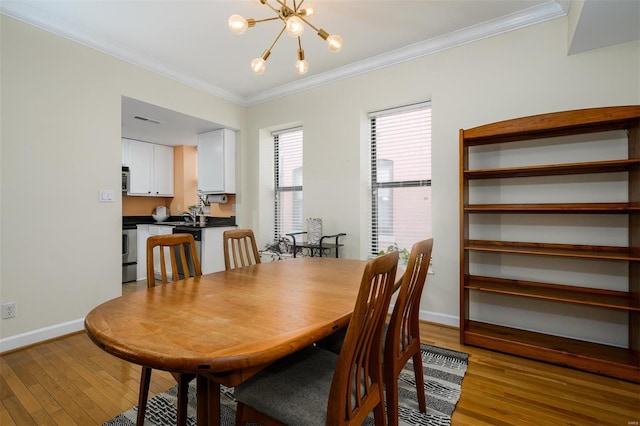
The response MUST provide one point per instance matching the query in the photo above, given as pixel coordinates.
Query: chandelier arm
(276, 40)
(276, 11)
(266, 19)
(296, 6)
(308, 23)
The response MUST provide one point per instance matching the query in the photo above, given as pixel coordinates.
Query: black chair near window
(316, 249)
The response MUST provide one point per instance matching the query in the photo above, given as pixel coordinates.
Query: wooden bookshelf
(610, 360)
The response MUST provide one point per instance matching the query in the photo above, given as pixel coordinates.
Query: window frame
(279, 190)
(375, 227)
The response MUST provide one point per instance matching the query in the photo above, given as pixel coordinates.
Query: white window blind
(288, 182)
(400, 177)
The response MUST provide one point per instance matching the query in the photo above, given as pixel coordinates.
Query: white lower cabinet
(212, 255)
(160, 230)
(144, 232)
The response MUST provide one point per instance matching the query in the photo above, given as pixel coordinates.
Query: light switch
(105, 195)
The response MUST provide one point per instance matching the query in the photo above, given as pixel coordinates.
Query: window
(400, 177)
(288, 182)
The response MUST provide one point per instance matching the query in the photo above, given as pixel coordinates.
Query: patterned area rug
(443, 373)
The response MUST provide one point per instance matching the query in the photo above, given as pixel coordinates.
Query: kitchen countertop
(130, 222)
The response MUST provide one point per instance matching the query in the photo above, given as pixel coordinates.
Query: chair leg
(391, 391)
(419, 372)
(145, 380)
(379, 414)
(240, 414)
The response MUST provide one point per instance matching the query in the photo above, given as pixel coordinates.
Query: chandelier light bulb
(334, 43)
(237, 24)
(307, 10)
(302, 66)
(295, 26)
(258, 65)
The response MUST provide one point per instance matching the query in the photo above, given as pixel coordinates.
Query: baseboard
(38, 336)
(438, 318)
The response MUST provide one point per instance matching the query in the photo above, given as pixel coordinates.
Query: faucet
(190, 216)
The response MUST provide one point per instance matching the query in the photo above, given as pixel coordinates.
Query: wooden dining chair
(173, 246)
(240, 248)
(402, 332)
(316, 386)
(176, 247)
(402, 340)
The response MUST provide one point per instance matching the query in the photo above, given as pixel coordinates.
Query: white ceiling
(189, 41)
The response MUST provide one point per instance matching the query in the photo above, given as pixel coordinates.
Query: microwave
(125, 180)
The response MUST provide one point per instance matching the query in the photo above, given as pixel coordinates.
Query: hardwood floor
(70, 381)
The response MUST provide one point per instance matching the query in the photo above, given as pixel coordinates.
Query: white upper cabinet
(163, 170)
(217, 162)
(151, 169)
(126, 153)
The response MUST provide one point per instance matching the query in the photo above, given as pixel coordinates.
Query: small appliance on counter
(160, 214)
(125, 180)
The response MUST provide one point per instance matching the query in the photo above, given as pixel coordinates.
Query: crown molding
(45, 21)
(547, 11)
(525, 18)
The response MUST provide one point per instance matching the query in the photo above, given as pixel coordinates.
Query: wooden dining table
(227, 326)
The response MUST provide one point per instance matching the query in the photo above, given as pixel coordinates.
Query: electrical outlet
(430, 271)
(9, 310)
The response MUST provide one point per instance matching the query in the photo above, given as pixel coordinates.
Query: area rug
(443, 373)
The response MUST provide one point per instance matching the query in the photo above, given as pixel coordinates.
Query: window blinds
(288, 181)
(400, 177)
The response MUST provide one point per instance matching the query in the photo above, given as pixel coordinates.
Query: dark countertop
(130, 222)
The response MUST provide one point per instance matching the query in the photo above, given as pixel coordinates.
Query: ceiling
(189, 41)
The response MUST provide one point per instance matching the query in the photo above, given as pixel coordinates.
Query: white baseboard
(40, 335)
(439, 318)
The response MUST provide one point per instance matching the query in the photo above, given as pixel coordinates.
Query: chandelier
(294, 19)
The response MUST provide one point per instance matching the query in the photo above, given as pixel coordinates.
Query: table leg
(202, 402)
(214, 402)
(208, 395)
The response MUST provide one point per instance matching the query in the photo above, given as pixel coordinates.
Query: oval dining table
(227, 326)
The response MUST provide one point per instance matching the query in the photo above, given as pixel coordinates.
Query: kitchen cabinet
(217, 162)
(142, 235)
(550, 238)
(212, 255)
(144, 232)
(151, 169)
(126, 152)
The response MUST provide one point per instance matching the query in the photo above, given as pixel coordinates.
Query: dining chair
(402, 332)
(402, 340)
(240, 248)
(316, 386)
(176, 247)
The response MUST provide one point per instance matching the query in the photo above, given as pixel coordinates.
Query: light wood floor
(70, 381)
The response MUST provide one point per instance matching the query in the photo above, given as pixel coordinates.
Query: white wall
(519, 73)
(60, 124)
(61, 128)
